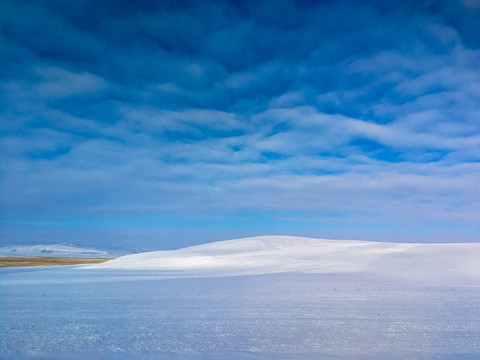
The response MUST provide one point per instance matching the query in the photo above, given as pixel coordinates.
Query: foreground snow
(446, 263)
(62, 313)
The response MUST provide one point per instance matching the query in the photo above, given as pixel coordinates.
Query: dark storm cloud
(173, 107)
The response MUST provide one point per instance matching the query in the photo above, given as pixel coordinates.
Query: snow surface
(289, 299)
(61, 313)
(445, 263)
(68, 250)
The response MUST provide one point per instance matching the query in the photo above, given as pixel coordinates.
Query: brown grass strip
(20, 261)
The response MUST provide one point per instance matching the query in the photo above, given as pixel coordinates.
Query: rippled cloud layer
(202, 121)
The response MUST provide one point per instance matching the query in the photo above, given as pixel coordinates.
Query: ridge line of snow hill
(277, 254)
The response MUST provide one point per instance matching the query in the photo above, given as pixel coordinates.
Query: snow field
(259, 298)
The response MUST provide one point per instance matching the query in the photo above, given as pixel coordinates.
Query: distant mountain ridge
(413, 262)
(66, 249)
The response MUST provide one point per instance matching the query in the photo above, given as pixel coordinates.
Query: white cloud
(226, 110)
(58, 82)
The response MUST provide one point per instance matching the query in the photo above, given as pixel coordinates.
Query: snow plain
(256, 298)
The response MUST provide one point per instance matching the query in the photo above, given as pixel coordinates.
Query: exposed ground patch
(20, 261)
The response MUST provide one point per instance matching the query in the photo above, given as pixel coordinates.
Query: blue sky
(161, 124)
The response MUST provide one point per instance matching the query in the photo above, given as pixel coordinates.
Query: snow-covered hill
(69, 250)
(443, 263)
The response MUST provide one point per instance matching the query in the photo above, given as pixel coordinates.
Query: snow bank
(276, 254)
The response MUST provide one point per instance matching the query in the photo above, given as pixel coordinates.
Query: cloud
(57, 83)
(234, 109)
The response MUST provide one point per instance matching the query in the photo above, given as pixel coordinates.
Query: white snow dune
(453, 263)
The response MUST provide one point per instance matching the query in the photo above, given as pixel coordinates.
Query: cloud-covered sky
(161, 124)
